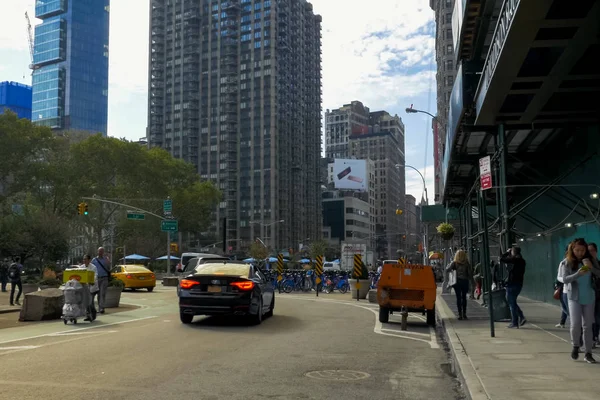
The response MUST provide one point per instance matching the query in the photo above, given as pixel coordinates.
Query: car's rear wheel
(384, 315)
(150, 289)
(186, 318)
(271, 308)
(257, 319)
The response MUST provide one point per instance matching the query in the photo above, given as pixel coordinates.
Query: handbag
(557, 293)
(452, 278)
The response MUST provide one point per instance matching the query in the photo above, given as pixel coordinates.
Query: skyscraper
(446, 72)
(70, 61)
(235, 89)
(353, 131)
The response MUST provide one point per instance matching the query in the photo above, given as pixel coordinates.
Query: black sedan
(226, 288)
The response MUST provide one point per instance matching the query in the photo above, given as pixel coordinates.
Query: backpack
(13, 272)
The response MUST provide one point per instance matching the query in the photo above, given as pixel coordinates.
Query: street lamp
(272, 237)
(398, 166)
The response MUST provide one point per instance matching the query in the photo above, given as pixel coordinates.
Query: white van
(331, 266)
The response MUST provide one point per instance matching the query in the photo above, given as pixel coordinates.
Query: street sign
(174, 248)
(167, 207)
(169, 225)
(135, 215)
(485, 173)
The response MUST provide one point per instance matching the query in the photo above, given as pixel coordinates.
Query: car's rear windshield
(136, 268)
(241, 270)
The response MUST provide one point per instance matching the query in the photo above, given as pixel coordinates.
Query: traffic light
(174, 248)
(80, 209)
(398, 211)
(85, 209)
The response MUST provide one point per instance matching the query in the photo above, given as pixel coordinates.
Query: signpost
(279, 270)
(134, 215)
(319, 272)
(167, 207)
(357, 272)
(169, 225)
(485, 173)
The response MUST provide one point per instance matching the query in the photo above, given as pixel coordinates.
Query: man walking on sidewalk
(4, 274)
(102, 264)
(514, 284)
(14, 274)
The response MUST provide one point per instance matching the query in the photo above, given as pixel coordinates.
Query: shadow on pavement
(279, 322)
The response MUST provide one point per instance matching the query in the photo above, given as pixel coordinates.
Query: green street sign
(169, 225)
(168, 206)
(136, 216)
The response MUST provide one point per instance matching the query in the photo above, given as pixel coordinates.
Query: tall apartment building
(70, 61)
(353, 131)
(235, 89)
(446, 73)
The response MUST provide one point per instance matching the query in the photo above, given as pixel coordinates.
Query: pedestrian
(515, 265)
(14, 274)
(478, 278)
(4, 274)
(593, 249)
(93, 287)
(102, 264)
(576, 271)
(562, 297)
(464, 278)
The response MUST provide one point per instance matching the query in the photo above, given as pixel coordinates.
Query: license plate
(142, 277)
(214, 289)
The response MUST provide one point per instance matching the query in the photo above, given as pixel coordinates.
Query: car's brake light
(152, 276)
(188, 283)
(243, 285)
(129, 276)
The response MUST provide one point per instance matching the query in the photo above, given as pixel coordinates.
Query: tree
(318, 248)
(258, 251)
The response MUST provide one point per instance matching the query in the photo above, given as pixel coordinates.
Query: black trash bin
(501, 309)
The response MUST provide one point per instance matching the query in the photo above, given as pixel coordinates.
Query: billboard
(350, 174)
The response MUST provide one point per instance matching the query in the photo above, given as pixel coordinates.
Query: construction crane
(32, 66)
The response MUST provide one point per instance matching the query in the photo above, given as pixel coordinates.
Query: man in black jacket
(514, 284)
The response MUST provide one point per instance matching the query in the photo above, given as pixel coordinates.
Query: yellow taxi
(135, 276)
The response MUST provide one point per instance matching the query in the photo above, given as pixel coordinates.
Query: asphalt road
(147, 353)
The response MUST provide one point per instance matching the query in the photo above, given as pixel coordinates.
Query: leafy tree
(258, 251)
(318, 248)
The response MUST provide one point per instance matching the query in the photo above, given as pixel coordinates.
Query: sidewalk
(5, 306)
(529, 363)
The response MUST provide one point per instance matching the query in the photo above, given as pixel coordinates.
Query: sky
(382, 55)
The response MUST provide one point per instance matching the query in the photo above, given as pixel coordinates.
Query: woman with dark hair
(576, 272)
(593, 249)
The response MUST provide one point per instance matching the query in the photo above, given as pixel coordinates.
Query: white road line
(18, 348)
(427, 335)
(549, 333)
(76, 329)
(76, 333)
(378, 329)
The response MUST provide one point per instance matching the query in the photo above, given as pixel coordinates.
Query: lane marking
(427, 335)
(76, 333)
(378, 329)
(77, 330)
(18, 348)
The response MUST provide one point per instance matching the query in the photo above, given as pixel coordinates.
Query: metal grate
(406, 294)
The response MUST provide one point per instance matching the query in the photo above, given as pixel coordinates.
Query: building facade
(353, 131)
(15, 97)
(235, 89)
(70, 62)
(347, 218)
(446, 73)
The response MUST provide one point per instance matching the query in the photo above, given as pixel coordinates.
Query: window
(449, 65)
(448, 34)
(448, 3)
(449, 18)
(449, 49)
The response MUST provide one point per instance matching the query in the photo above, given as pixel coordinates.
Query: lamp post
(271, 236)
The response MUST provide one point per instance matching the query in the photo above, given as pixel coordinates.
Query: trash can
(501, 309)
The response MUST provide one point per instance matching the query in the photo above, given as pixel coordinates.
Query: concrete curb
(9, 310)
(462, 366)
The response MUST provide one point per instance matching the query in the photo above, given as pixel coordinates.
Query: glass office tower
(70, 61)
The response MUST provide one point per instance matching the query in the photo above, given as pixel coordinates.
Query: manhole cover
(338, 375)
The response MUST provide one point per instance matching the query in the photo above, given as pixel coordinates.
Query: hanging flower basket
(446, 231)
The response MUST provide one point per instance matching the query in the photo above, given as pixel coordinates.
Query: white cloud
(13, 26)
(414, 183)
